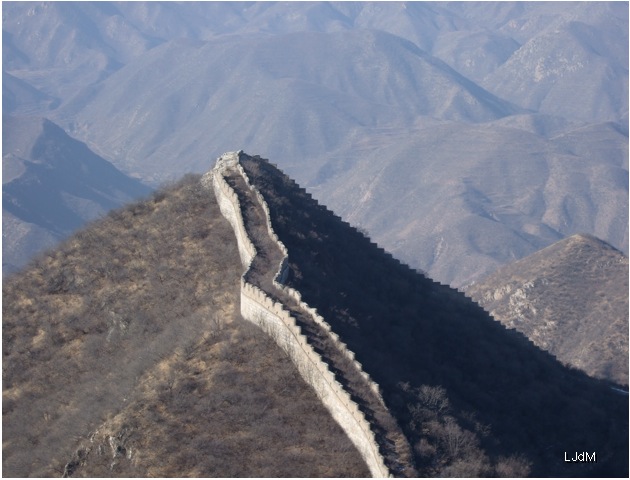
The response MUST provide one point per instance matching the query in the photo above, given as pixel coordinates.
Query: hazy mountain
(571, 299)
(570, 70)
(61, 48)
(531, 85)
(489, 193)
(20, 97)
(342, 82)
(562, 59)
(51, 185)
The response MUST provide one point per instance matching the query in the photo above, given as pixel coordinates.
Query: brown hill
(571, 299)
(124, 355)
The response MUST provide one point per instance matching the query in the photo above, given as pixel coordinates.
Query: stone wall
(231, 210)
(454, 292)
(281, 276)
(273, 318)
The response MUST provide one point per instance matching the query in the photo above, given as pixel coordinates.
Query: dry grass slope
(124, 355)
(571, 299)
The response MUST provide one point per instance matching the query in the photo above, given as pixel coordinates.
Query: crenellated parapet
(280, 278)
(283, 271)
(279, 321)
(229, 205)
(280, 325)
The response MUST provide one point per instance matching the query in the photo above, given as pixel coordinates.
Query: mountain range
(484, 145)
(461, 137)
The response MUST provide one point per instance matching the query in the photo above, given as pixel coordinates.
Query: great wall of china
(323, 360)
(453, 291)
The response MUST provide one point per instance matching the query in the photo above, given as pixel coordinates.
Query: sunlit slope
(571, 299)
(124, 355)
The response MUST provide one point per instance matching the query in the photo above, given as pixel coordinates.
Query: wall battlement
(272, 317)
(265, 309)
(452, 290)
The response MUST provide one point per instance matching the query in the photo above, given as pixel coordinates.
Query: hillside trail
(392, 443)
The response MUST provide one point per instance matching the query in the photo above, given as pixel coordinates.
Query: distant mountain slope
(124, 356)
(576, 66)
(60, 48)
(492, 43)
(571, 299)
(19, 97)
(295, 95)
(184, 82)
(440, 360)
(52, 185)
(459, 200)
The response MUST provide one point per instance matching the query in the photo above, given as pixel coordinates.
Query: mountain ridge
(570, 298)
(124, 355)
(352, 322)
(471, 397)
(52, 184)
(372, 429)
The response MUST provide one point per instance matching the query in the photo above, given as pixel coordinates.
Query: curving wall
(231, 210)
(273, 318)
(281, 276)
(455, 292)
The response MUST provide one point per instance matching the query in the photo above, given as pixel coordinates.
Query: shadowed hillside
(473, 398)
(571, 299)
(124, 355)
(52, 185)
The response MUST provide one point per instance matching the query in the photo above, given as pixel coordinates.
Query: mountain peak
(570, 298)
(588, 239)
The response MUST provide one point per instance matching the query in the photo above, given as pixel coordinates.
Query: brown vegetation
(124, 355)
(571, 299)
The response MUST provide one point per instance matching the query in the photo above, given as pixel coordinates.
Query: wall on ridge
(281, 276)
(454, 292)
(231, 210)
(271, 316)
(283, 270)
